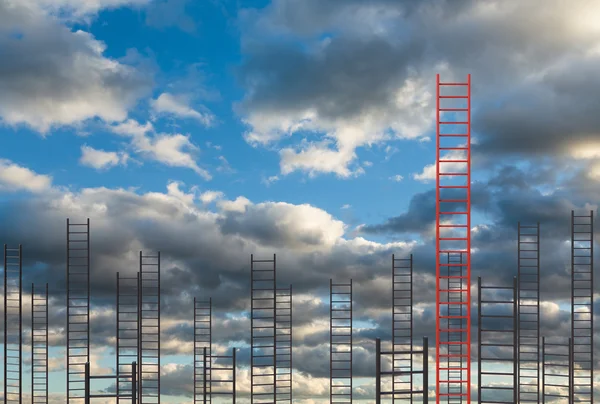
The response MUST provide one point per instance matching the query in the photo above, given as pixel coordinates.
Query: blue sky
(207, 59)
(210, 130)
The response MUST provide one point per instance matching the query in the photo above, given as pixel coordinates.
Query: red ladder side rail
(453, 242)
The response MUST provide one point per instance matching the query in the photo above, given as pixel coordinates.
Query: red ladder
(453, 242)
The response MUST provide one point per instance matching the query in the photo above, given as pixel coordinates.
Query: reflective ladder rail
(557, 372)
(528, 261)
(582, 308)
(39, 345)
(497, 333)
(149, 329)
(78, 308)
(453, 236)
(13, 325)
(340, 342)
(128, 323)
(263, 344)
(202, 350)
(283, 353)
(402, 325)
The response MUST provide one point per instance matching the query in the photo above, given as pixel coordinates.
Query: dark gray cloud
(533, 88)
(201, 259)
(552, 117)
(332, 82)
(53, 76)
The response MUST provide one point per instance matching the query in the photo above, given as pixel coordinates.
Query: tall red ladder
(453, 242)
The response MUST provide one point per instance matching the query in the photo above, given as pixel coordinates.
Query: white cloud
(54, 77)
(426, 175)
(411, 119)
(131, 127)
(100, 159)
(346, 206)
(397, 178)
(429, 171)
(279, 223)
(213, 146)
(269, 180)
(172, 150)
(174, 191)
(319, 158)
(78, 8)
(175, 150)
(14, 178)
(238, 205)
(211, 196)
(179, 106)
(594, 171)
(375, 71)
(224, 167)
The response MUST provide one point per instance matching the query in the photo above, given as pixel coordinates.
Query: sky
(211, 130)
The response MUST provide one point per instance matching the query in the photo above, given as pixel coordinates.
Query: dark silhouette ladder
(263, 344)
(340, 342)
(128, 323)
(39, 345)
(528, 278)
(582, 306)
(202, 350)
(78, 308)
(149, 329)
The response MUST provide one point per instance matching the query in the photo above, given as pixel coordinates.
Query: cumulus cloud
(205, 252)
(52, 76)
(179, 106)
(174, 150)
(100, 159)
(14, 177)
(366, 74)
(211, 196)
(299, 225)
